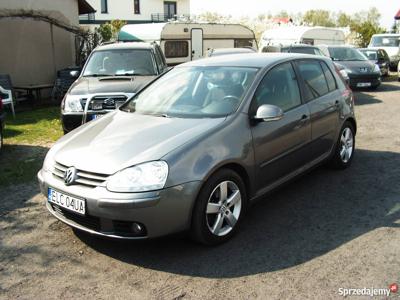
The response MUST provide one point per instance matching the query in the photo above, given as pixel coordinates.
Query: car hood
(356, 66)
(120, 140)
(95, 85)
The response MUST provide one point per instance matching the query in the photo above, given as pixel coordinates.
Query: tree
(109, 31)
(343, 20)
(364, 31)
(319, 17)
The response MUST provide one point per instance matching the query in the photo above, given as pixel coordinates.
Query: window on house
(241, 43)
(104, 7)
(136, 6)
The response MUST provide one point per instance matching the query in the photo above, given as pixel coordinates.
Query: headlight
(48, 164)
(72, 103)
(141, 178)
(345, 73)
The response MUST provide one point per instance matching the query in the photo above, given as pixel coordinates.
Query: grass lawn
(26, 142)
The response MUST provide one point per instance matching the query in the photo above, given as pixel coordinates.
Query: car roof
(233, 50)
(298, 46)
(257, 60)
(125, 45)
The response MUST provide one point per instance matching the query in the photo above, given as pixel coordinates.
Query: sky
(253, 8)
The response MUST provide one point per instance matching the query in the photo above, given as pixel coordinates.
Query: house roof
(397, 16)
(85, 8)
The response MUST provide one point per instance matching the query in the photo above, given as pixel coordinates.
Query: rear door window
(330, 79)
(315, 84)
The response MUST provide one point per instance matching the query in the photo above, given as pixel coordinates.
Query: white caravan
(182, 42)
(301, 35)
(390, 42)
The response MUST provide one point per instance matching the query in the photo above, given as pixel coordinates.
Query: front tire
(219, 208)
(345, 146)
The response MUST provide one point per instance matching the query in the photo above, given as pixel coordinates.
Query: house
(135, 11)
(38, 38)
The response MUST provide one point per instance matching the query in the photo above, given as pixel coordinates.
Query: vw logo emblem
(70, 176)
(109, 101)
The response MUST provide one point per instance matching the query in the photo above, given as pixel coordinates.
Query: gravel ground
(325, 231)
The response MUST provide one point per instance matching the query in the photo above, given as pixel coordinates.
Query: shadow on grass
(20, 163)
(304, 220)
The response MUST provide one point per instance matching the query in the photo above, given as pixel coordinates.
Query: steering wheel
(231, 98)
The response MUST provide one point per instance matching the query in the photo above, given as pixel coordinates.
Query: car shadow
(362, 98)
(307, 218)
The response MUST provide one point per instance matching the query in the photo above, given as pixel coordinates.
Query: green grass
(26, 142)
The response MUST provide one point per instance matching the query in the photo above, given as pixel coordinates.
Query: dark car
(294, 48)
(229, 51)
(379, 57)
(2, 116)
(193, 150)
(361, 72)
(112, 74)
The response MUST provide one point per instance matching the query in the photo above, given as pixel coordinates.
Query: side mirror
(74, 74)
(268, 113)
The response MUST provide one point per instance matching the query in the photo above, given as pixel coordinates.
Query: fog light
(136, 228)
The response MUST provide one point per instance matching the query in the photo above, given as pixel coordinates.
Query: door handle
(302, 121)
(337, 103)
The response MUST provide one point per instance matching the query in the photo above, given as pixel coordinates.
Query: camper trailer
(301, 35)
(182, 42)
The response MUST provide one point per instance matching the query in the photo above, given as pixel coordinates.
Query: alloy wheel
(347, 145)
(223, 208)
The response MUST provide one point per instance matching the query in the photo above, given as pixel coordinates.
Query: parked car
(379, 57)
(2, 116)
(294, 48)
(229, 51)
(361, 72)
(192, 150)
(390, 42)
(112, 74)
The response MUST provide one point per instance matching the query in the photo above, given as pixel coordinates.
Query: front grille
(84, 177)
(86, 221)
(105, 102)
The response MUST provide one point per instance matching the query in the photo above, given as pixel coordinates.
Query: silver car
(195, 148)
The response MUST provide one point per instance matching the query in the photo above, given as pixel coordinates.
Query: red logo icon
(394, 287)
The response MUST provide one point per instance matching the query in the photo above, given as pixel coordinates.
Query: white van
(301, 35)
(390, 42)
(182, 42)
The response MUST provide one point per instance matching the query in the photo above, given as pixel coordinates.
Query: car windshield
(370, 54)
(120, 62)
(385, 41)
(346, 54)
(194, 92)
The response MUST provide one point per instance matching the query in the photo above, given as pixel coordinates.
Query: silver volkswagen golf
(194, 149)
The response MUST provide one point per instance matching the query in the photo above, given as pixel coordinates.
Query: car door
(322, 95)
(280, 146)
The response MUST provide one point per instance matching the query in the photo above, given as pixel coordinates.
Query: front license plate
(66, 201)
(363, 84)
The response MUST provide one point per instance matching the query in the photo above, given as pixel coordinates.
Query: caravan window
(242, 43)
(176, 49)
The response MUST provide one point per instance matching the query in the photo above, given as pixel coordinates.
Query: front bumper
(374, 79)
(110, 214)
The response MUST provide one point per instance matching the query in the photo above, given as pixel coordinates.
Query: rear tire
(219, 208)
(344, 149)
